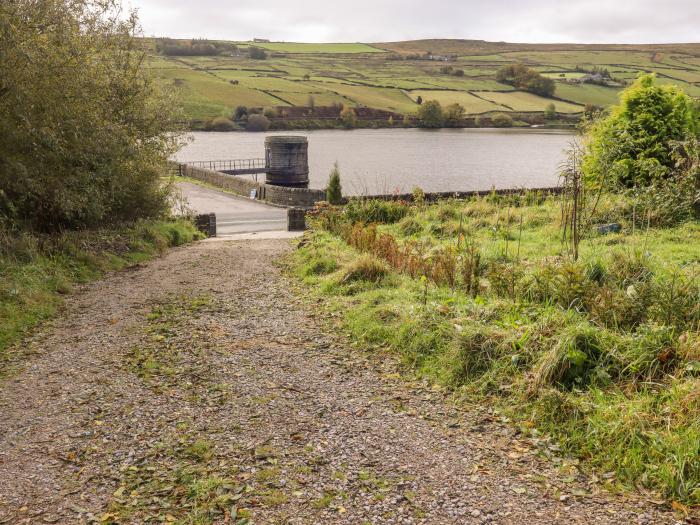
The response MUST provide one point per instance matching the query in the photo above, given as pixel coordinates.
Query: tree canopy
(640, 140)
(430, 114)
(454, 114)
(86, 132)
(194, 47)
(522, 77)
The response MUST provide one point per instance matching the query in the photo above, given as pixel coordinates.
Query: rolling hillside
(391, 76)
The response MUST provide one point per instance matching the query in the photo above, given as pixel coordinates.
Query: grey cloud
(592, 21)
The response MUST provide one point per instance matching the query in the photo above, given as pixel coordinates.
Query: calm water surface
(387, 161)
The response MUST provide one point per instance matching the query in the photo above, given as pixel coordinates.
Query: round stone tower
(287, 160)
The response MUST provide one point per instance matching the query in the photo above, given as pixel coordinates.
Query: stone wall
(306, 198)
(438, 195)
(241, 185)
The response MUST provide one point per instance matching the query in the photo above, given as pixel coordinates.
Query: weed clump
(365, 268)
(373, 210)
(410, 226)
(320, 266)
(472, 353)
(572, 358)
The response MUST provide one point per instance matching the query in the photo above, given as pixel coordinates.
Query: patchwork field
(391, 76)
(522, 101)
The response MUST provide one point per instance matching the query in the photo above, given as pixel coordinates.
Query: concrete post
(206, 224)
(296, 220)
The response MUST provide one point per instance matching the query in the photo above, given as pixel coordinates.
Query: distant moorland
(213, 78)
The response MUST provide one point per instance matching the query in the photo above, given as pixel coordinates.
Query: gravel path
(201, 389)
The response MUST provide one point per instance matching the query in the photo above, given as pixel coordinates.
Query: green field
(523, 101)
(470, 102)
(302, 47)
(391, 76)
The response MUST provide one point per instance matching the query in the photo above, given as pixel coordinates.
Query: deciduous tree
(86, 133)
(430, 114)
(454, 114)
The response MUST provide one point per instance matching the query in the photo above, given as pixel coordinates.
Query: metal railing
(229, 165)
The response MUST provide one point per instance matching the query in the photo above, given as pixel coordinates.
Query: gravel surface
(206, 362)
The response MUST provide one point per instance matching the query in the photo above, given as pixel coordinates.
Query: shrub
(501, 120)
(430, 114)
(334, 192)
(257, 53)
(637, 143)
(348, 117)
(454, 114)
(550, 112)
(365, 268)
(241, 111)
(257, 122)
(410, 226)
(220, 124)
(375, 210)
(418, 195)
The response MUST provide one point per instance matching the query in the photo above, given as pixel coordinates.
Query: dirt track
(200, 386)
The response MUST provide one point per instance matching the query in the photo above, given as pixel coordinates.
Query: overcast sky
(590, 21)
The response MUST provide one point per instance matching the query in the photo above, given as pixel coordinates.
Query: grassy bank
(602, 354)
(36, 271)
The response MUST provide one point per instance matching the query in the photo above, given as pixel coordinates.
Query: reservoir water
(396, 160)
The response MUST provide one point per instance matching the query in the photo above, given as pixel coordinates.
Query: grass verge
(36, 270)
(601, 354)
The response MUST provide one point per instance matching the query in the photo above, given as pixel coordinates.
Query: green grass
(323, 48)
(522, 101)
(471, 103)
(600, 354)
(36, 272)
(587, 94)
(386, 98)
(204, 94)
(321, 98)
(364, 74)
(563, 74)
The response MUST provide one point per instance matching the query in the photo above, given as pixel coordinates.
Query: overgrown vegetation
(86, 133)
(602, 353)
(578, 314)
